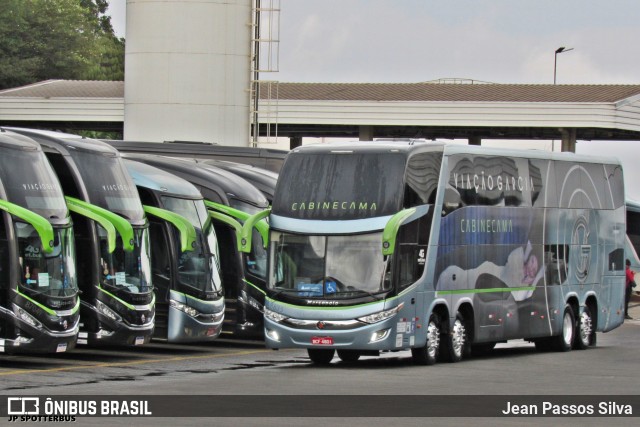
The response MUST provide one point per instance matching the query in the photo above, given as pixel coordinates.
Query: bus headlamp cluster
(381, 315)
(107, 311)
(28, 318)
(184, 308)
(272, 315)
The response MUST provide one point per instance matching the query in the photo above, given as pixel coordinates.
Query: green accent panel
(230, 221)
(227, 210)
(485, 291)
(103, 221)
(40, 223)
(254, 286)
(47, 309)
(391, 230)
(261, 226)
(187, 232)
(122, 225)
(247, 230)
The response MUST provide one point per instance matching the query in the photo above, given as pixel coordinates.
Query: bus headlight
(184, 308)
(381, 315)
(272, 315)
(28, 318)
(107, 311)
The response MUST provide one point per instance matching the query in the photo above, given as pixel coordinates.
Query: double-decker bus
(230, 200)
(39, 305)
(111, 236)
(185, 261)
(442, 249)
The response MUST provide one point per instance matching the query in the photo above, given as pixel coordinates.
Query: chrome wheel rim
(458, 337)
(567, 326)
(586, 327)
(433, 339)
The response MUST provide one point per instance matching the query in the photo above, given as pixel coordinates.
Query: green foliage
(57, 39)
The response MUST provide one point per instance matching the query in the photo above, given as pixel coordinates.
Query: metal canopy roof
(416, 110)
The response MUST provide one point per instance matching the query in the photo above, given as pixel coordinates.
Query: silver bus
(185, 262)
(443, 250)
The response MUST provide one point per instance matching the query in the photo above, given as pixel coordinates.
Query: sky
(499, 41)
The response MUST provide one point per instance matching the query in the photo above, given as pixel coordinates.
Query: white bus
(442, 249)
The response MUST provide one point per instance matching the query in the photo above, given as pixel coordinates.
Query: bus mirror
(40, 223)
(229, 221)
(240, 216)
(186, 229)
(391, 230)
(76, 207)
(123, 226)
(247, 230)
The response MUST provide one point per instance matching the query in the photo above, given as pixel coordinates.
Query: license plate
(139, 341)
(62, 347)
(211, 331)
(322, 341)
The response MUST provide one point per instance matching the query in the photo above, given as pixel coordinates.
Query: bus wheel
(348, 355)
(321, 356)
(428, 354)
(564, 341)
(456, 343)
(586, 334)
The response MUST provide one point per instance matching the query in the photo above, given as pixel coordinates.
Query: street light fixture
(555, 62)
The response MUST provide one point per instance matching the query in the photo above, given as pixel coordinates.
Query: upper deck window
(340, 186)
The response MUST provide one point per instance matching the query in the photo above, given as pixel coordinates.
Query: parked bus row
(97, 249)
(359, 249)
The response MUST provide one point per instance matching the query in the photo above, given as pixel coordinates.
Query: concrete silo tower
(188, 70)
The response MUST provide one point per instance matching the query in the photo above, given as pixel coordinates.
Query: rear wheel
(321, 356)
(456, 343)
(585, 337)
(348, 355)
(428, 354)
(564, 341)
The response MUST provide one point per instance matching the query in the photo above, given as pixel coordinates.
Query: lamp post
(555, 61)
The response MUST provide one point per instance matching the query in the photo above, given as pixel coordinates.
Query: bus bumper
(185, 328)
(31, 339)
(378, 336)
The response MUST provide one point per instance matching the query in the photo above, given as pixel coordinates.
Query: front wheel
(456, 343)
(564, 341)
(320, 356)
(585, 337)
(428, 354)
(349, 355)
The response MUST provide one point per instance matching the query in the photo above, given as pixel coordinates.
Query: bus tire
(455, 345)
(428, 354)
(321, 356)
(564, 341)
(585, 336)
(349, 355)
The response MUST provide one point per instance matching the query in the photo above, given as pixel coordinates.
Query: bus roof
(15, 141)
(207, 179)
(267, 158)
(156, 179)
(62, 142)
(411, 147)
(263, 179)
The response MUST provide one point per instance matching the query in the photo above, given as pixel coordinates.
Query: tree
(57, 39)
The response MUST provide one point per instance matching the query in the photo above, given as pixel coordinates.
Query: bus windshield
(30, 182)
(328, 266)
(51, 274)
(199, 268)
(110, 185)
(126, 271)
